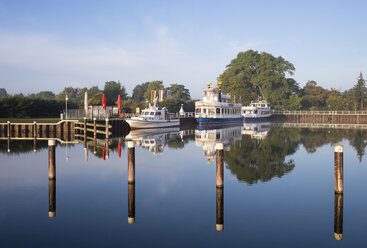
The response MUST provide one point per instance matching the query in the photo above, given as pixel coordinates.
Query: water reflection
(208, 138)
(154, 140)
(52, 178)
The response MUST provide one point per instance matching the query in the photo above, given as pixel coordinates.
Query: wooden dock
(329, 117)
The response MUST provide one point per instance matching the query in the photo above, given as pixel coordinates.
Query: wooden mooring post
(107, 138)
(219, 170)
(338, 167)
(131, 161)
(131, 203)
(9, 129)
(94, 135)
(52, 177)
(339, 190)
(51, 159)
(35, 136)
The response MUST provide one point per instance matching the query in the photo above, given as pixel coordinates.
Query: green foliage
(253, 73)
(19, 106)
(95, 100)
(112, 89)
(294, 103)
(173, 105)
(335, 101)
(139, 91)
(360, 92)
(154, 85)
(179, 92)
(3, 92)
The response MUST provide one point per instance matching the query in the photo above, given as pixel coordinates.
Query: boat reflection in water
(207, 138)
(257, 130)
(153, 139)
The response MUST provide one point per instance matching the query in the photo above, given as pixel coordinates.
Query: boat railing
(318, 112)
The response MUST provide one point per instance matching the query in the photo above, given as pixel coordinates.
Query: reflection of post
(131, 202)
(94, 136)
(51, 159)
(35, 144)
(85, 132)
(52, 178)
(219, 176)
(9, 144)
(338, 216)
(338, 166)
(51, 198)
(107, 137)
(131, 162)
(220, 222)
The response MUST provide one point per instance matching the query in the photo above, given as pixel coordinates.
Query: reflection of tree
(178, 143)
(252, 160)
(358, 140)
(22, 146)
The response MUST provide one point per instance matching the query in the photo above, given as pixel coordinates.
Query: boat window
(204, 110)
(159, 113)
(151, 113)
(197, 111)
(255, 111)
(211, 111)
(146, 113)
(218, 110)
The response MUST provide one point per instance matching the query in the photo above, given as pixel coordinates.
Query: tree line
(49, 104)
(250, 75)
(254, 74)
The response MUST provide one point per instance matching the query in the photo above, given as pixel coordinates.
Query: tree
(360, 92)
(258, 74)
(112, 89)
(46, 95)
(179, 92)
(294, 103)
(335, 101)
(3, 92)
(139, 91)
(154, 85)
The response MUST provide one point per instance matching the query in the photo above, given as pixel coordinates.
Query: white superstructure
(256, 110)
(153, 117)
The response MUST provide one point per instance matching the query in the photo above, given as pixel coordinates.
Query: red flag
(104, 102)
(119, 149)
(119, 103)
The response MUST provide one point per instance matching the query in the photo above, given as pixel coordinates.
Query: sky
(49, 45)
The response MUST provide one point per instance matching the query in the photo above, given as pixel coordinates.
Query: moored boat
(216, 109)
(257, 110)
(153, 117)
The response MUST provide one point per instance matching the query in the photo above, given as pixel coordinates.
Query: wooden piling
(338, 167)
(9, 129)
(52, 198)
(219, 174)
(107, 138)
(338, 216)
(51, 159)
(131, 203)
(220, 219)
(131, 161)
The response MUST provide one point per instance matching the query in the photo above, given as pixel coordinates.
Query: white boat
(208, 138)
(153, 117)
(257, 130)
(257, 110)
(215, 108)
(154, 140)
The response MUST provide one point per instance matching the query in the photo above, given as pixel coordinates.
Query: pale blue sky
(46, 45)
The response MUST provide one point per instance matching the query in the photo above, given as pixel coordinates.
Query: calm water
(278, 190)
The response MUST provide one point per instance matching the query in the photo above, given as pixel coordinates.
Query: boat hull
(218, 121)
(255, 119)
(140, 124)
